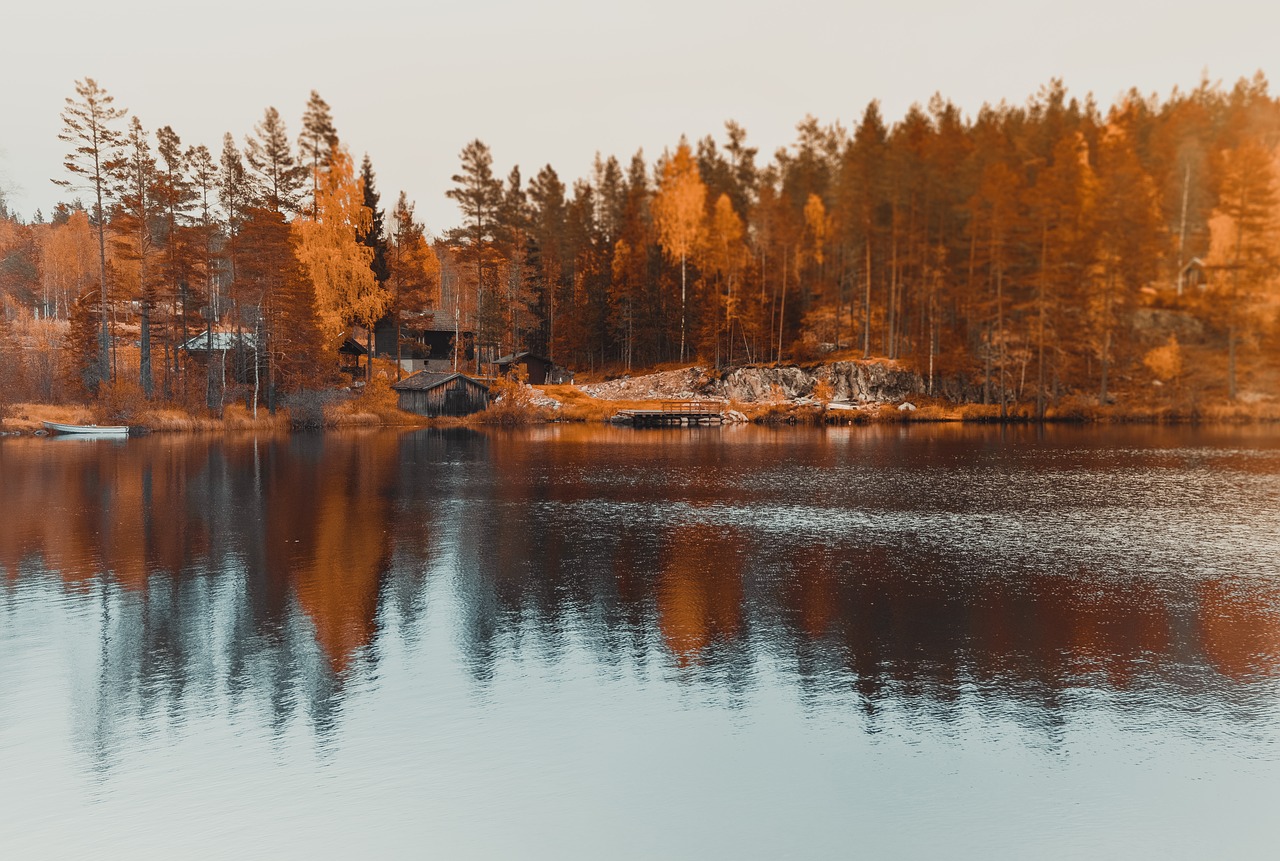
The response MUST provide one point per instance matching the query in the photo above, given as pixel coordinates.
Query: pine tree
(318, 141)
(88, 123)
(204, 183)
(1247, 202)
(277, 284)
(478, 194)
(137, 182)
(278, 177)
(175, 195)
(413, 270)
(547, 238)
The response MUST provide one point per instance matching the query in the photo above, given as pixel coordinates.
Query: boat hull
(87, 430)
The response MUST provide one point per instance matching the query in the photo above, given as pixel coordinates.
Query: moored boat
(95, 430)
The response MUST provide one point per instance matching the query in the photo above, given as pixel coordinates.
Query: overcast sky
(411, 82)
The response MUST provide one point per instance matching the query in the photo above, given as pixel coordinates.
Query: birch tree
(679, 212)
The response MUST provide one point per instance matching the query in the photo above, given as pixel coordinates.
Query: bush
(307, 407)
(510, 403)
(120, 401)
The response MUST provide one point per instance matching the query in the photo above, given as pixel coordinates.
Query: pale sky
(412, 82)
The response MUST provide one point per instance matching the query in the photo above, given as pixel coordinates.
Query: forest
(1030, 256)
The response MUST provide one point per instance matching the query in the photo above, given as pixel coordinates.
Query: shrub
(510, 403)
(120, 401)
(307, 407)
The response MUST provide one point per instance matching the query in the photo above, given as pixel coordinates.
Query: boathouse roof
(424, 380)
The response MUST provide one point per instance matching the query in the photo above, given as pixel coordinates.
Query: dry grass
(578, 406)
(376, 405)
(27, 418)
(510, 404)
(237, 417)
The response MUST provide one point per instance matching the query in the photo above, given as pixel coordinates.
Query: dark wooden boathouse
(539, 369)
(437, 394)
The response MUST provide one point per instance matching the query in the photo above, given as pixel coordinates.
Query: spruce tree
(375, 239)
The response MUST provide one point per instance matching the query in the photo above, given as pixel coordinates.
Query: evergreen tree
(479, 196)
(278, 178)
(413, 270)
(88, 122)
(175, 195)
(318, 141)
(137, 184)
(374, 238)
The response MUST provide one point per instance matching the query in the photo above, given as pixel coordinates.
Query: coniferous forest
(1053, 252)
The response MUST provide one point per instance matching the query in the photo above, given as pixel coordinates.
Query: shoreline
(26, 420)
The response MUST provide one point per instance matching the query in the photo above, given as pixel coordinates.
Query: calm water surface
(599, 643)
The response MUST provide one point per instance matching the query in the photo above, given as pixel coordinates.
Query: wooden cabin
(232, 353)
(540, 370)
(424, 345)
(427, 393)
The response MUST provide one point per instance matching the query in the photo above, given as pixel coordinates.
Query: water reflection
(874, 571)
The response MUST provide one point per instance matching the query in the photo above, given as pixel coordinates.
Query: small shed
(541, 370)
(349, 353)
(434, 394)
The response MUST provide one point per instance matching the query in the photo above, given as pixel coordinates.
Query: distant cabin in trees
(431, 394)
(1194, 274)
(425, 345)
(230, 351)
(349, 353)
(539, 369)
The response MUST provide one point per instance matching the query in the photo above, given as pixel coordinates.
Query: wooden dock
(675, 414)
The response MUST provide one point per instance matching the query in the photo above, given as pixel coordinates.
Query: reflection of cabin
(232, 351)
(540, 369)
(425, 345)
(439, 394)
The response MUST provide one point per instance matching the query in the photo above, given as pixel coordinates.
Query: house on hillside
(441, 394)
(231, 352)
(539, 369)
(425, 345)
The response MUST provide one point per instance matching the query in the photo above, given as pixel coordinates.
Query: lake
(589, 642)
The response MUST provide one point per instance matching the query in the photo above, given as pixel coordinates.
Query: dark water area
(578, 642)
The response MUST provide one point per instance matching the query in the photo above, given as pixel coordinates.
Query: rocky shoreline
(847, 382)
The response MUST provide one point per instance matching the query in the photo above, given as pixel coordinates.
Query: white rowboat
(96, 430)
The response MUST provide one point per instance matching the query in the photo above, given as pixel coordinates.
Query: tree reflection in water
(253, 575)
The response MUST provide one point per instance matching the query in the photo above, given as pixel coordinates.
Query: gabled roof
(222, 341)
(523, 355)
(424, 380)
(352, 347)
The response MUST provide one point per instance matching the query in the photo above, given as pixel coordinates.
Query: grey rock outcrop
(849, 381)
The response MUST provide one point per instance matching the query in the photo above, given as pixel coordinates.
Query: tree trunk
(144, 350)
(682, 304)
(866, 332)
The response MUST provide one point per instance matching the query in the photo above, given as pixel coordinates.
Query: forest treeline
(1030, 253)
